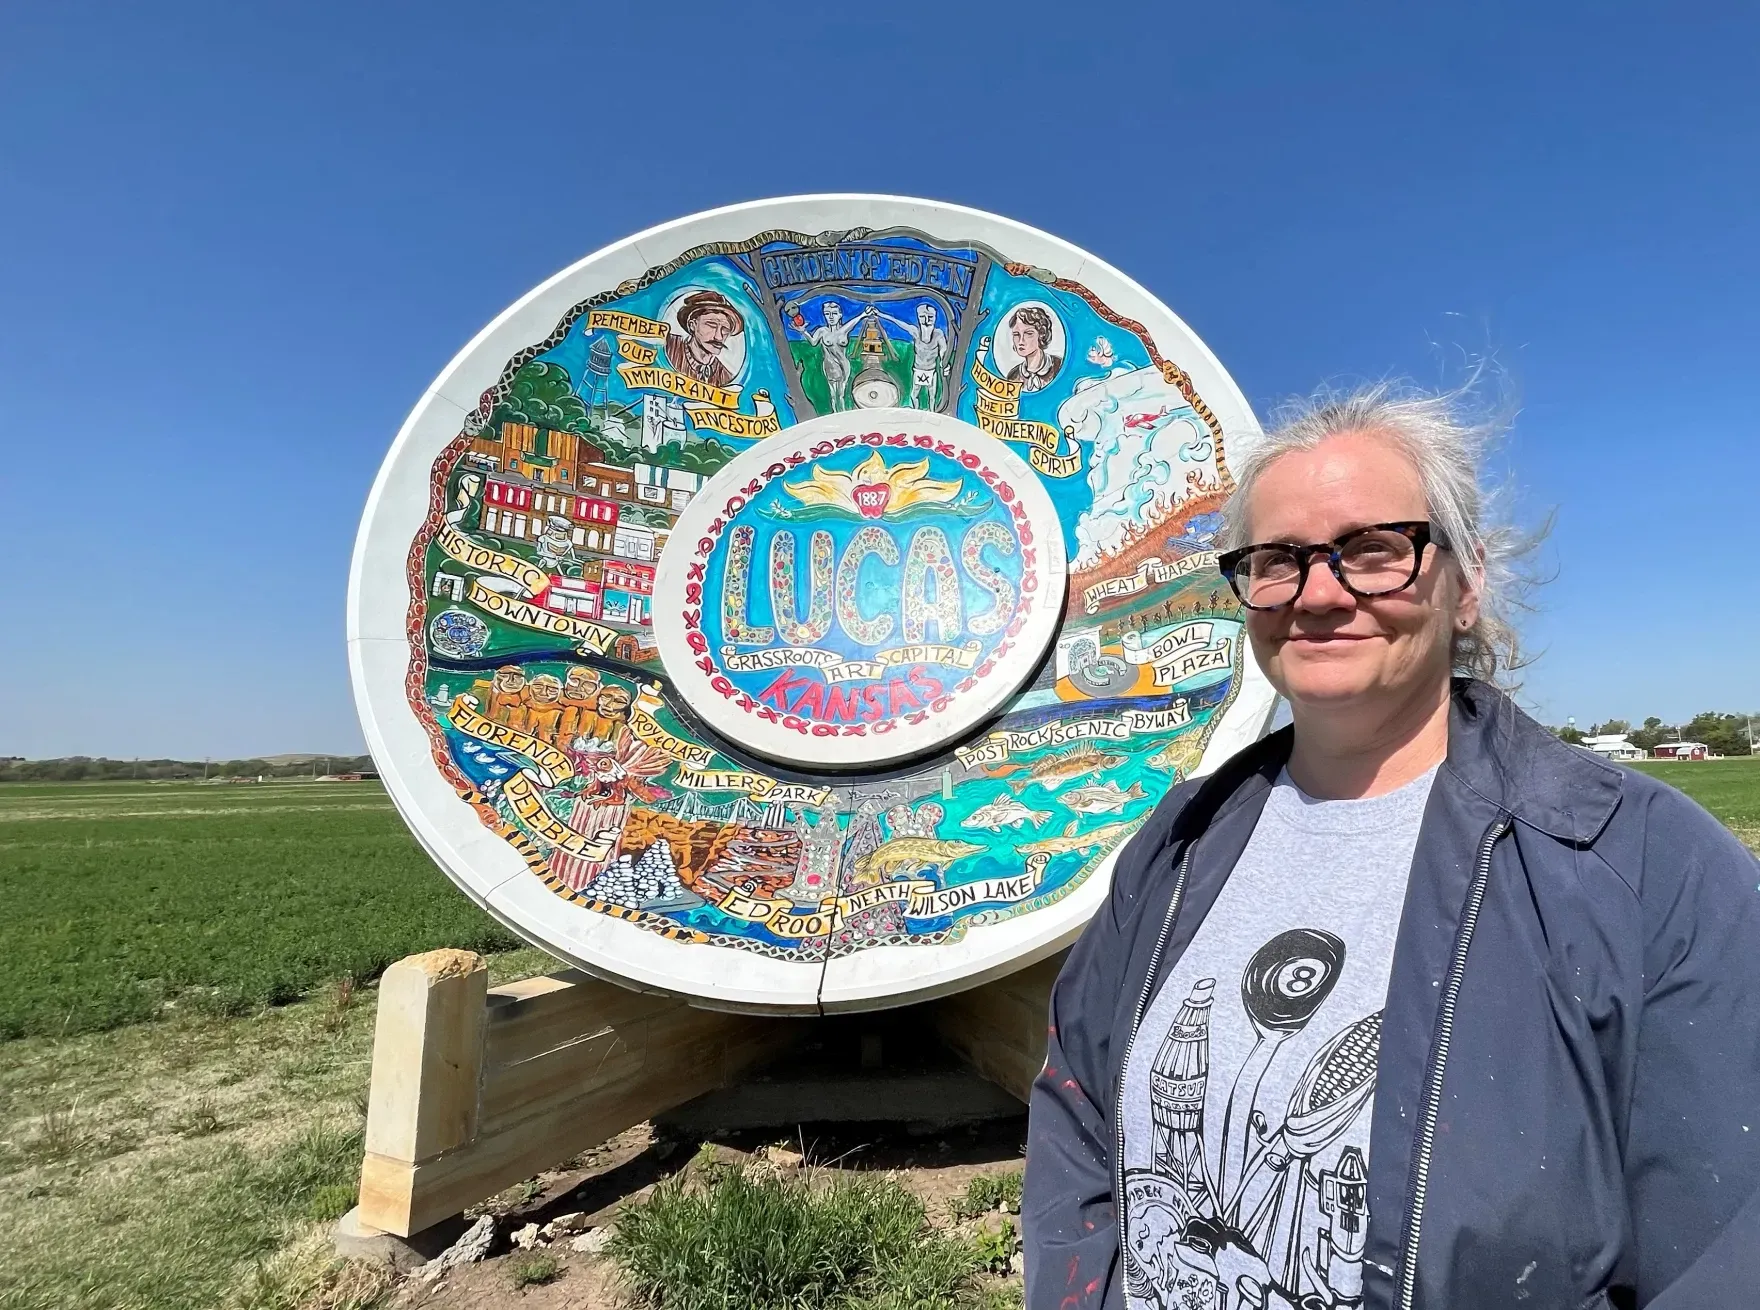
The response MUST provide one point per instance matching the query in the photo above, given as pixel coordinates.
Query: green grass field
(1730, 789)
(124, 899)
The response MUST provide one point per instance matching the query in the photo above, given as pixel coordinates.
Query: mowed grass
(125, 902)
(1729, 788)
(192, 1164)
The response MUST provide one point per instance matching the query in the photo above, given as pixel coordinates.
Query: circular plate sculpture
(795, 607)
(860, 589)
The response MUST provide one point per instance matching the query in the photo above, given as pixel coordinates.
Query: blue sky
(237, 241)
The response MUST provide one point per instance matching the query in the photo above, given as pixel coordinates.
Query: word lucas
(928, 591)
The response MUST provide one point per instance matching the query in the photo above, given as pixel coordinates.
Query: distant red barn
(1678, 750)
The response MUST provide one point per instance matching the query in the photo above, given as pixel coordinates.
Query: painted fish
(1107, 834)
(1178, 757)
(1004, 811)
(1052, 771)
(1101, 798)
(908, 855)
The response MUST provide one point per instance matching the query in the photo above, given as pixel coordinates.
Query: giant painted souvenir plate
(796, 606)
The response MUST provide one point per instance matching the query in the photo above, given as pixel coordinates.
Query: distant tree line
(81, 768)
(1724, 734)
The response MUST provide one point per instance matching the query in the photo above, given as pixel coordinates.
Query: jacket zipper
(1179, 890)
(1432, 1108)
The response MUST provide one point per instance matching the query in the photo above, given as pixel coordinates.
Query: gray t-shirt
(1248, 1089)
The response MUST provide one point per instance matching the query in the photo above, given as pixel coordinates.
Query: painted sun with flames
(875, 489)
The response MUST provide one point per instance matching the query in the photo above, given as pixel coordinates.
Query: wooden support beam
(427, 1049)
(475, 1088)
(999, 1028)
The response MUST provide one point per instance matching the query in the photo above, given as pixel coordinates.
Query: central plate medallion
(860, 588)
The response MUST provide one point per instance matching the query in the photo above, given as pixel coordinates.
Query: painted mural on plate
(534, 666)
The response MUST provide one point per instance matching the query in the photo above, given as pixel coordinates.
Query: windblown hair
(1446, 446)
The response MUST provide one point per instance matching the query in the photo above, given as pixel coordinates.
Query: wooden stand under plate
(475, 1088)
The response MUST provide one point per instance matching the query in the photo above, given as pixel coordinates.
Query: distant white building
(1614, 747)
(663, 420)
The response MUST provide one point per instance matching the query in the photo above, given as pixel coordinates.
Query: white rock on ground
(470, 1248)
(528, 1237)
(564, 1224)
(592, 1243)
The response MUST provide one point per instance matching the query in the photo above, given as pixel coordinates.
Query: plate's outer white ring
(489, 870)
(906, 740)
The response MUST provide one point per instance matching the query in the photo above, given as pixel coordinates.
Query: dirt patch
(937, 1167)
(582, 1283)
(153, 1136)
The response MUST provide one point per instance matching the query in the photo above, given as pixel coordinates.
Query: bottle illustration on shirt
(1178, 1081)
(1344, 1199)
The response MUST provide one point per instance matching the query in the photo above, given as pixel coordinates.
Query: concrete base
(355, 1240)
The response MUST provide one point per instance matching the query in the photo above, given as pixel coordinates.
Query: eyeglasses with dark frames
(1374, 561)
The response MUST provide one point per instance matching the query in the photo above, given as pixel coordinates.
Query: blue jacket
(1567, 1100)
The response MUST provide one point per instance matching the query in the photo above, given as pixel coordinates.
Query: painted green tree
(542, 394)
(705, 455)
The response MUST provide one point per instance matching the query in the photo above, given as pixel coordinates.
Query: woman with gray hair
(1410, 1004)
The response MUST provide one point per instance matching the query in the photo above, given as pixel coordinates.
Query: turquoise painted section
(843, 555)
(537, 677)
